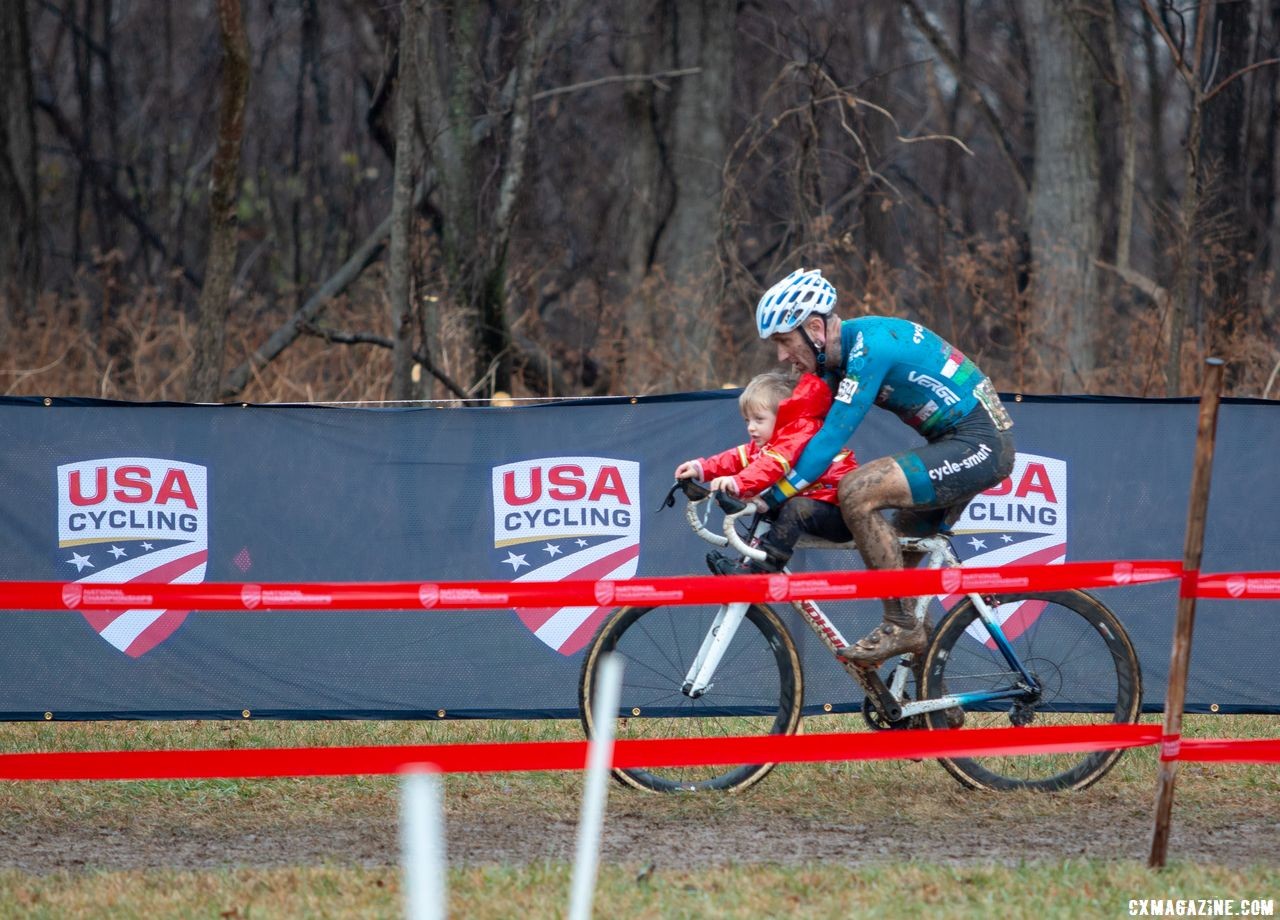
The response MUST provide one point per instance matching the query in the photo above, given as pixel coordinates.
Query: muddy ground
(636, 837)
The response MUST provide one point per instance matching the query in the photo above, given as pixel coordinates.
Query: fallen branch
(368, 338)
(655, 78)
(282, 338)
(1139, 281)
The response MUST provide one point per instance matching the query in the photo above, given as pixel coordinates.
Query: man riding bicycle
(911, 371)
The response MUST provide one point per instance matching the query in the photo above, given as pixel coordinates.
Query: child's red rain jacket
(800, 416)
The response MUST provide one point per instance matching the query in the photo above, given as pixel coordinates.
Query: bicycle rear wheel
(1075, 648)
(758, 688)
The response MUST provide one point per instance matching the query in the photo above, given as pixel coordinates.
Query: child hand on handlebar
(724, 484)
(780, 422)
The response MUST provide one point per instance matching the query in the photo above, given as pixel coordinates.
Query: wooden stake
(1180, 654)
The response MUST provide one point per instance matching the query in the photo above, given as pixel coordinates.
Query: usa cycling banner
(106, 493)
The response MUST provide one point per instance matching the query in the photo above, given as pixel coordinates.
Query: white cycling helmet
(793, 300)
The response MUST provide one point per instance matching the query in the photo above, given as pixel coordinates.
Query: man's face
(793, 349)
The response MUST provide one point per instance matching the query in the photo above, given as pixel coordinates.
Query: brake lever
(670, 500)
(728, 504)
(692, 491)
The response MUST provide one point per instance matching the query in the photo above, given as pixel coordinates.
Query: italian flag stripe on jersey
(926, 427)
(957, 368)
(953, 364)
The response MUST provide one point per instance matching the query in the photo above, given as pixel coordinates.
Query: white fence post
(595, 791)
(422, 843)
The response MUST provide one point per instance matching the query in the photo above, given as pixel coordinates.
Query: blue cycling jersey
(900, 366)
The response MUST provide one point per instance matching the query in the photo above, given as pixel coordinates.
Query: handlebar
(733, 509)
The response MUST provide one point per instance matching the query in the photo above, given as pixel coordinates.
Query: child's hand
(724, 484)
(690, 469)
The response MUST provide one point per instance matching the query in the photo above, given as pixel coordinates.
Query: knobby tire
(758, 689)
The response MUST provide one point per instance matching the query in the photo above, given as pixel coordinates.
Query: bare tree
(215, 295)
(1161, 194)
(1261, 145)
(19, 228)
(704, 38)
(1127, 182)
(1065, 230)
(399, 268)
(1190, 65)
(478, 212)
(643, 201)
(881, 46)
(569, 158)
(1228, 208)
(1005, 143)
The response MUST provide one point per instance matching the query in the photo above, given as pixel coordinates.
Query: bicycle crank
(879, 723)
(877, 695)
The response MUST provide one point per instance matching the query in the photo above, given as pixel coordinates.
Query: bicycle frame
(938, 554)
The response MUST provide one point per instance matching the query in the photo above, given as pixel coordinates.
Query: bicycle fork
(723, 629)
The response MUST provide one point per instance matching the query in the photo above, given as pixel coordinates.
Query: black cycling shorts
(946, 473)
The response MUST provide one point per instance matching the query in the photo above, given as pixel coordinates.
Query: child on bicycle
(780, 421)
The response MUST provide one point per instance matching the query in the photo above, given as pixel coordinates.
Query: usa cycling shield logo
(132, 519)
(1021, 521)
(562, 518)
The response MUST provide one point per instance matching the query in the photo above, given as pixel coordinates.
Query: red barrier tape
(1224, 750)
(1255, 586)
(566, 755)
(460, 595)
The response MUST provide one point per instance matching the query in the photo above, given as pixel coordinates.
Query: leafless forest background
(330, 200)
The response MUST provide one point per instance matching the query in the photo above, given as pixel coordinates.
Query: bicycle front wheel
(1079, 654)
(758, 688)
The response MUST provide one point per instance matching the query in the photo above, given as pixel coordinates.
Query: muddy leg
(863, 494)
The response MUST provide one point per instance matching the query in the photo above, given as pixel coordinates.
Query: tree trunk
(398, 258)
(1128, 137)
(19, 230)
(642, 200)
(1161, 187)
(477, 228)
(494, 338)
(1222, 153)
(1184, 256)
(1262, 153)
(641, 174)
(704, 34)
(1185, 253)
(1064, 197)
(877, 133)
(215, 294)
(955, 184)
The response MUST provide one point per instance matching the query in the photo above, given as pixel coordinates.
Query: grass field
(1070, 888)
(811, 840)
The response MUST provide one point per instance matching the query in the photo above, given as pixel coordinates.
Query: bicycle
(734, 669)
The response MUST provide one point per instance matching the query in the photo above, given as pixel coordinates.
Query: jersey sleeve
(726, 463)
(854, 398)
